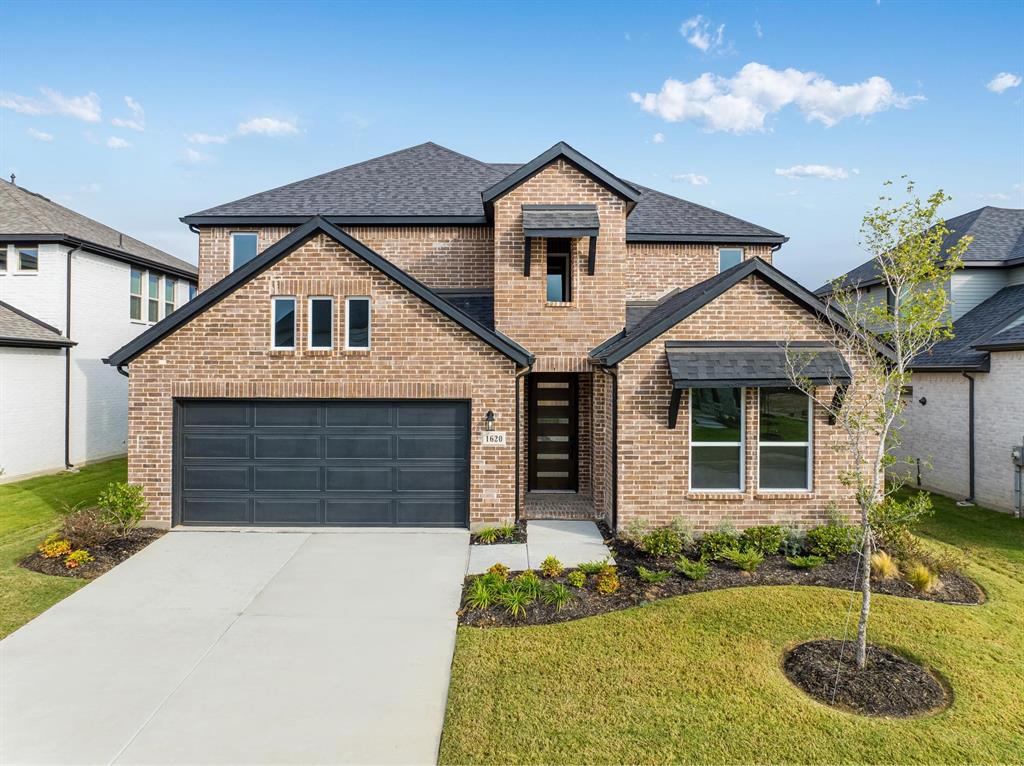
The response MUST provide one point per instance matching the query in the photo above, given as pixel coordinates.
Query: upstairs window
(154, 298)
(283, 329)
(357, 323)
(559, 273)
(243, 248)
(135, 299)
(28, 259)
(785, 439)
(170, 286)
(321, 323)
(3, 258)
(729, 257)
(716, 439)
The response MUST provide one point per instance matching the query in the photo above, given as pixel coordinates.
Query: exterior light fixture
(489, 421)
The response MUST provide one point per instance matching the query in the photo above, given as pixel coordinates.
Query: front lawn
(28, 511)
(697, 679)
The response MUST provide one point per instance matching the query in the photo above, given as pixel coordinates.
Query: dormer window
(559, 273)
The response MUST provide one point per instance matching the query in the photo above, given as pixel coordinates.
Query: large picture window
(784, 437)
(716, 439)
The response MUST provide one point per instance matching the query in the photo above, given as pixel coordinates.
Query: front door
(553, 432)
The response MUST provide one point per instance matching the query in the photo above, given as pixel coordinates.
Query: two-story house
(965, 409)
(427, 339)
(71, 291)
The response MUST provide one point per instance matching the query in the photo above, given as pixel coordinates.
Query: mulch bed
(518, 537)
(108, 555)
(889, 685)
(586, 602)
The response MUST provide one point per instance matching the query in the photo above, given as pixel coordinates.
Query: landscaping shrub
(831, 540)
(765, 540)
(123, 506)
(693, 570)
(528, 582)
(507, 531)
(883, 566)
(592, 567)
(713, 544)
(664, 541)
(85, 527)
(75, 559)
(653, 576)
(487, 535)
(746, 561)
(555, 594)
(500, 570)
(793, 543)
(921, 578)
(551, 567)
(893, 519)
(576, 578)
(805, 562)
(635, 530)
(607, 580)
(481, 594)
(515, 599)
(944, 561)
(54, 546)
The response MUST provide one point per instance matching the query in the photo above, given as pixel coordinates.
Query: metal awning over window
(717, 364)
(557, 221)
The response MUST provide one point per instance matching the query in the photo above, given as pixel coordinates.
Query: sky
(790, 115)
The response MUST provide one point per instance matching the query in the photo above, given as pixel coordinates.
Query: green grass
(28, 512)
(697, 679)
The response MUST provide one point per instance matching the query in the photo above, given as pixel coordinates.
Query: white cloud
(692, 179)
(116, 142)
(138, 118)
(698, 33)
(757, 29)
(658, 138)
(192, 157)
(39, 135)
(1003, 81)
(813, 171)
(205, 138)
(85, 107)
(741, 104)
(267, 126)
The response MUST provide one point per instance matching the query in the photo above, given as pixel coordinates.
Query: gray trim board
(92, 247)
(714, 239)
(337, 220)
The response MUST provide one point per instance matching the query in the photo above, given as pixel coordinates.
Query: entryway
(553, 433)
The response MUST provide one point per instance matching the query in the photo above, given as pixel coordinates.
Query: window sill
(784, 494)
(23, 273)
(559, 304)
(348, 350)
(283, 351)
(735, 495)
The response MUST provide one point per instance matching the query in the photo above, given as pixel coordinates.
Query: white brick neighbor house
(71, 291)
(966, 408)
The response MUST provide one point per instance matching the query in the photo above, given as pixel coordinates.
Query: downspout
(67, 364)
(615, 445)
(970, 436)
(519, 376)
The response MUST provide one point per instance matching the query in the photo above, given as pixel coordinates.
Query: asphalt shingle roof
(560, 217)
(479, 305)
(700, 365)
(21, 329)
(979, 326)
(26, 213)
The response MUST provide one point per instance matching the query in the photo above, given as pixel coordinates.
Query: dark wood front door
(553, 432)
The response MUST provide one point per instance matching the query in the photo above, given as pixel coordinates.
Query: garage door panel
(215, 477)
(360, 512)
(360, 479)
(285, 479)
(359, 447)
(435, 479)
(368, 414)
(215, 511)
(286, 512)
(217, 414)
(431, 447)
(216, 446)
(431, 512)
(271, 414)
(431, 414)
(287, 447)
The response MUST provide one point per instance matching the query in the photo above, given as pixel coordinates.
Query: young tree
(880, 340)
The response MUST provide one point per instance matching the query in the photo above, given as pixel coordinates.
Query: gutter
(970, 439)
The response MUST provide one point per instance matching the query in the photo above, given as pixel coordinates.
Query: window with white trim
(282, 327)
(154, 298)
(191, 290)
(357, 323)
(170, 285)
(785, 440)
(3, 258)
(729, 257)
(716, 439)
(135, 295)
(28, 260)
(321, 323)
(243, 248)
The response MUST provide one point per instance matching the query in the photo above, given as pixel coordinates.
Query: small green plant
(893, 519)
(482, 593)
(693, 570)
(832, 540)
(921, 578)
(683, 530)
(576, 578)
(607, 580)
(765, 540)
(507, 531)
(487, 535)
(85, 527)
(805, 562)
(75, 559)
(529, 582)
(551, 567)
(883, 566)
(499, 570)
(712, 544)
(663, 541)
(592, 567)
(123, 505)
(746, 561)
(54, 546)
(793, 543)
(515, 600)
(635, 530)
(944, 561)
(653, 576)
(555, 594)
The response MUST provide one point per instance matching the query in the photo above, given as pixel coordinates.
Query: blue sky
(788, 115)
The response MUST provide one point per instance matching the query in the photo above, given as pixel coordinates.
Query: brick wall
(417, 353)
(654, 268)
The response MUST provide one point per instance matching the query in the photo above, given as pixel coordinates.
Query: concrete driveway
(243, 647)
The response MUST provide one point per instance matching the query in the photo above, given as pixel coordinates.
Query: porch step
(567, 506)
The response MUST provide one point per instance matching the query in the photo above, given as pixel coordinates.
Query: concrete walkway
(571, 542)
(243, 647)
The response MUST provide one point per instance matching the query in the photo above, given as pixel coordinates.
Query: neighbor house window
(729, 257)
(321, 323)
(716, 439)
(784, 437)
(191, 290)
(135, 299)
(28, 259)
(559, 271)
(3, 258)
(357, 323)
(243, 248)
(154, 298)
(170, 286)
(284, 323)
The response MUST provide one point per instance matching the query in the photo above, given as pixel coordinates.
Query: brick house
(427, 339)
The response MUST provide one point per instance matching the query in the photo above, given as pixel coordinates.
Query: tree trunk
(865, 605)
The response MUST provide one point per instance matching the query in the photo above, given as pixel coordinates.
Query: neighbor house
(965, 408)
(71, 291)
(427, 339)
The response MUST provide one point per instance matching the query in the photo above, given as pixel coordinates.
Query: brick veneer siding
(654, 268)
(654, 460)
(416, 353)
(439, 256)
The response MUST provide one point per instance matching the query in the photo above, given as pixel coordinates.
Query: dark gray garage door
(339, 463)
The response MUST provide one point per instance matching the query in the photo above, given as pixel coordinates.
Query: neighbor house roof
(429, 184)
(991, 325)
(20, 329)
(311, 228)
(29, 217)
(997, 239)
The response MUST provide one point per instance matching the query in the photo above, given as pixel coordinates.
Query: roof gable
(975, 333)
(18, 328)
(279, 250)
